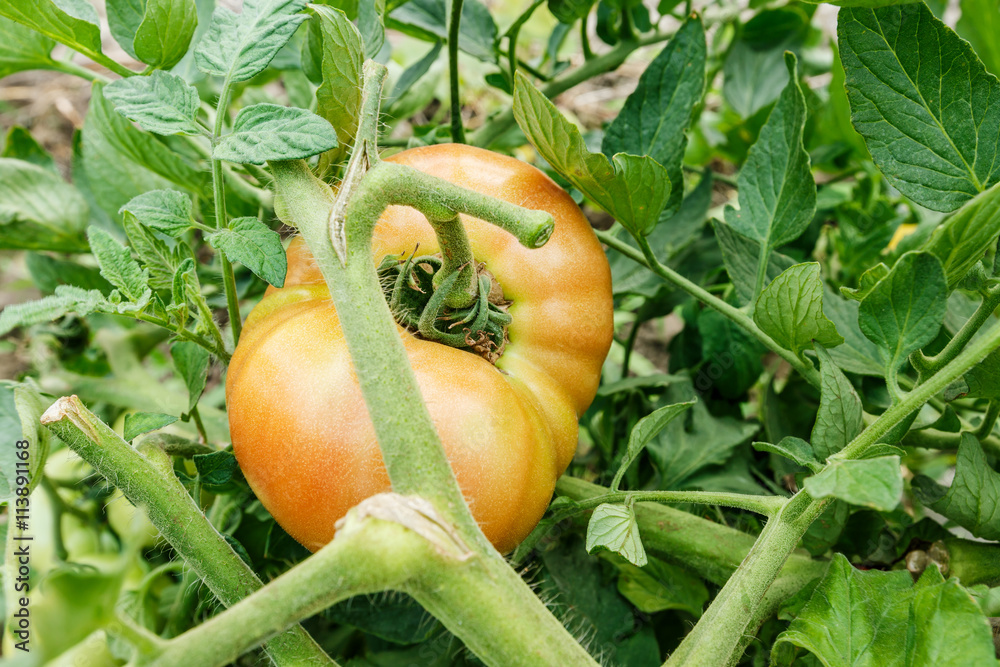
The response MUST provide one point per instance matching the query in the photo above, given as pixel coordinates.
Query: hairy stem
(145, 476)
(984, 312)
(454, 24)
(766, 505)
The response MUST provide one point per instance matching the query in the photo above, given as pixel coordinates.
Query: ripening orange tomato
(299, 425)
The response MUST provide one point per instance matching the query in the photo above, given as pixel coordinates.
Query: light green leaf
(613, 527)
(983, 379)
(21, 405)
(754, 76)
(371, 24)
(191, 361)
(980, 24)
(840, 416)
(254, 245)
(167, 211)
(973, 499)
(159, 260)
(137, 423)
(859, 618)
(904, 311)
(265, 132)
(777, 193)
(122, 161)
(117, 265)
(963, 239)
(645, 430)
(795, 449)
(428, 19)
(70, 22)
(857, 354)
(161, 103)
(21, 48)
(660, 586)
(411, 75)
(67, 299)
(124, 17)
(866, 283)
(338, 98)
(39, 210)
(165, 33)
(875, 483)
(790, 310)
(657, 114)
(927, 108)
(240, 46)
(631, 189)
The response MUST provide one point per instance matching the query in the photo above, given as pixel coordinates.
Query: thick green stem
(219, 196)
(146, 478)
(740, 318)
(70, 67)
(984, 312)
(766, 505)
(454, 24)
(456, 255)
(989, 419)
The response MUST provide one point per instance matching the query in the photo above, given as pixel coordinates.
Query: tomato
(299, 425)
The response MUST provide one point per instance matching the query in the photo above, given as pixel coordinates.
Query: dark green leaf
(48, 273)
(795, 449)
(428, 18)
(613, 527)
(39, 210)
(875, 483)
(216, 470)
(570, 11)
(857, 354)
(656, 115)
(645, 430)
(265, 132)
(754, 76)
(240, 46)
(927, 108)
(161, 103)
(983, 379)
(167, 211)
(973, 499)
(251, 243)
(137, 423)
(660, 586)
(412, 74)
(905, 310)
(777, 193)
(20, 145)
(840, 416)
(741, 255)
(191, 361)
(165, 33)
(790, 310)
(732, 356)
(371, 24)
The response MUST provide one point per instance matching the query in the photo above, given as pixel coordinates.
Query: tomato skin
(299, 425)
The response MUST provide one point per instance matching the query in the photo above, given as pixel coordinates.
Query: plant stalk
(219, 197)
(454, 26)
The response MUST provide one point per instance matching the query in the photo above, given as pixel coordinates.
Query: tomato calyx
(415, 303)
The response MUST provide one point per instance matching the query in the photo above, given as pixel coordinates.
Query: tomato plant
(450, 332)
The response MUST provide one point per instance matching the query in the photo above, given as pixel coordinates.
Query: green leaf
(613, 527)
(121, 161)
(966, 235)
(165, 32)
(795, 449)
(161, 103)
(159, 260)
(570, 11)
(216, 470)
(631, 189)
(645, 430)
(866, 283)
(790, 310)
(240, 46)
(137, 423)
(983, 379)
(48, 273)
(657, 114)
(167, 211)
(21, 48)
(428, 19)
(70, 22)
(338, 98)
(371, 25)
(973, 499)
(117, 265)
(872, 619)
(980, 24)
(875, 483)
(777, 193)
(660, 586)
(20, 145)
(733, 356)
(191, 361)
(265, 132)
(927, 108)
(741, 255)
(251, 243)
(21, 406)
(39, 210)
(67, 299)
(124, 17)
(840, 416)
(857, 354)
(905, 310)
(411, 75)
